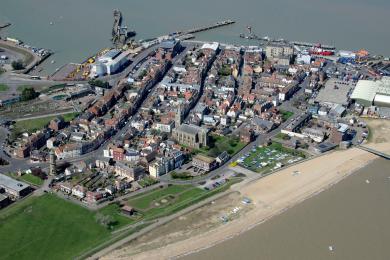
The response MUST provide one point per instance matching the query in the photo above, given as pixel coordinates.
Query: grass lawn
(181, 175)
(38, 88)
(29, 178)
(3, 87)
(264, 159)
(53, 88)
(32, 125)
(218, 144)
(144, 201)
(283, 136)
(22, 87)
(48, 227)
(286, 114)
(147, 181)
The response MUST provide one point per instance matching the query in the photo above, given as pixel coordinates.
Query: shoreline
(275, 214)
(274, 200)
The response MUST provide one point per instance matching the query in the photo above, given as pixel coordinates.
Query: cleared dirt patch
(379, 130)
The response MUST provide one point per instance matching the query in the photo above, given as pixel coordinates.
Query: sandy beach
(271, 196)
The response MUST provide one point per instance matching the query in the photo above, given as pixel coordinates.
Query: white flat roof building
(213, 46)
(369, 92)
(14, 187)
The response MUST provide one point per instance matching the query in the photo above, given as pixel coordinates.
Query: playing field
(48, 227)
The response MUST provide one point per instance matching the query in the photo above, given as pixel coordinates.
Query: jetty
(209, 27)
(120, 34)
(202, 28)
(373, 151)
(309, 44)
(4, 25)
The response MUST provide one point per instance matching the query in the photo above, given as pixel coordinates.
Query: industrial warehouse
(368, 93)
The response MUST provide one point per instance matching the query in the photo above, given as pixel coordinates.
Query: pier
(207, 27)
(370, 150)
(309, 44)
(120, 34)
(5, 25)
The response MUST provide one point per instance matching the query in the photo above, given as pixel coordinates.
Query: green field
(165, 201)
(32, 125)
(145, 201)
(266, 158)
(48, 227)
(3, 87)
(218, 144)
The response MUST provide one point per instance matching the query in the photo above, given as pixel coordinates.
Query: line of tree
(99, 83)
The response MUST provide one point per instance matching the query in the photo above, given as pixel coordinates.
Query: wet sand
(271, 196)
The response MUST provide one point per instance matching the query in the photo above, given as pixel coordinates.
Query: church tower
(178, 117)
(52, 163)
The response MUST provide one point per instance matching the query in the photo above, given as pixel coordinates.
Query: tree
(105, 220)
(28, 94)
(225, 71)
(17, 65)
(99, 83)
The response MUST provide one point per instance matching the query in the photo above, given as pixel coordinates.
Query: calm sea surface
(352, 216)
(81, 27)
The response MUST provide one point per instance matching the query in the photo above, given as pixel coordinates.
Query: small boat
(53, 61)
(367, 181)
(51, 23)
(331, 248)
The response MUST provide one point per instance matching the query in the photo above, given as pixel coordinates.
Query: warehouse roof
(367, 89)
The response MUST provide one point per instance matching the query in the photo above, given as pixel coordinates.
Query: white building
(369, 92)
(109, 63)
(347, 54)
(165, 128)
(78, 191)
(303, 59)
(213, 46)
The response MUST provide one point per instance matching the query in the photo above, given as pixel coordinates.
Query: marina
(68, 39)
